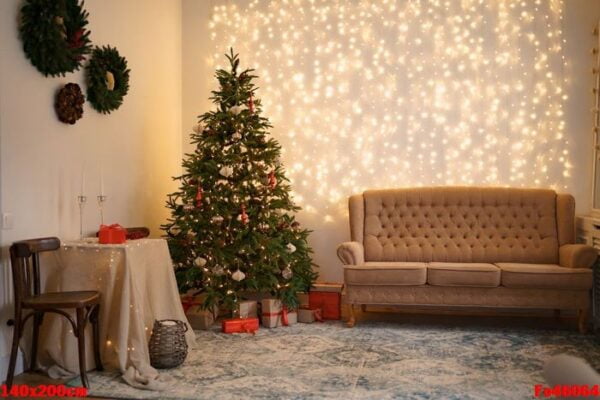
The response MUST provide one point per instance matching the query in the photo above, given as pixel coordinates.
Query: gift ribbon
(116, 227)
(316, 312)
(188, 303)
(247, 328)
(283, 313)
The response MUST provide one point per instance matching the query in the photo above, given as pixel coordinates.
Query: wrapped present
(327, 297)
(240, 325)
(303, 299)
(189, 300)
(199, 318)
(275, 314)
(112, 234)
(247, 309)
(306, 315)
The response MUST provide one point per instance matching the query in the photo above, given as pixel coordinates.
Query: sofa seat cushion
(463, 274)
(545, 276)
(386, 273)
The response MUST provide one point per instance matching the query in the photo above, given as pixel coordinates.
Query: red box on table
(327, 297)
(112, 234)
(240, 325)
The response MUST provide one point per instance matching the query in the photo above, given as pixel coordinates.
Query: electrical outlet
(7, 221)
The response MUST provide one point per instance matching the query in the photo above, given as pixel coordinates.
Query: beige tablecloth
(137, 285)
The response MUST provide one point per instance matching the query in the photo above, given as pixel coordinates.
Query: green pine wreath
(54, 36)
(107, 79)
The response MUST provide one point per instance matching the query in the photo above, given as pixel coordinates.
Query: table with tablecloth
(137, 285)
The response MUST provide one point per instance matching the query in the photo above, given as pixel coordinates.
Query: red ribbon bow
(316, 312)
(116, 227)
(247, 328)
(283, 313)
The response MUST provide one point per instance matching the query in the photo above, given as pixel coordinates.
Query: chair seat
(62, 300)
(545, 276)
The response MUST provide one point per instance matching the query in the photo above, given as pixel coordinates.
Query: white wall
(139, 145)
(324, 88)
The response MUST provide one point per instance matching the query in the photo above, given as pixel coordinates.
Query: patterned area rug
(371, 361)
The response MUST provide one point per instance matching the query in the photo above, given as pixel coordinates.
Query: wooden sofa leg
(556, 313)
(363, 307)
(583, 320)
(352, 319)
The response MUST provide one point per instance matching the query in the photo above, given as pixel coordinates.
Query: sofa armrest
(351, 253)
(577, 256)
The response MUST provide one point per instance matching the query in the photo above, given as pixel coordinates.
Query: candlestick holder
(101, 200)
(81, 200)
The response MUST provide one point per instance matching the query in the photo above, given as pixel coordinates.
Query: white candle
(83, 180)
(101, 181)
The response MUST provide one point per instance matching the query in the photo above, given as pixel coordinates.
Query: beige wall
(139, 145)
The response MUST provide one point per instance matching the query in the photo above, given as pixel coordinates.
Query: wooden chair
(24, 256)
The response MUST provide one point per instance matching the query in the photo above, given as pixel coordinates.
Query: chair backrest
(25, 262)
(462, 224)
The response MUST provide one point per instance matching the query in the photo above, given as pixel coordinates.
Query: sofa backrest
(462, 224)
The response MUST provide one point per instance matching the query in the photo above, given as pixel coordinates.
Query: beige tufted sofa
(466, 246)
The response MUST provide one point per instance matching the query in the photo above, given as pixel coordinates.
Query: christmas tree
(232, 228)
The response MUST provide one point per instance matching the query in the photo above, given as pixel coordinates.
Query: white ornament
(198, 128)
(238, 275)
(290, 248)
(217, 219)
(200, 262)
(287, 273)
(218, 270)
(222, 182)
(175, 230)
(236, 136)
(237, 109)
(226, 171)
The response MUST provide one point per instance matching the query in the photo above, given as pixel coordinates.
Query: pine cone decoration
(69, 103)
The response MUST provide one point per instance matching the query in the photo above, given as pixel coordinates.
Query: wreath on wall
(54, 36)
(69, 103)
(107, 79)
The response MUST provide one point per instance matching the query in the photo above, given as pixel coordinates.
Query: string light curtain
(374, 94)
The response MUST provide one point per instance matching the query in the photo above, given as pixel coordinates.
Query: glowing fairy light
(367, 94)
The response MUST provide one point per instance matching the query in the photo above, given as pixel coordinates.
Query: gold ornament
(110, 81)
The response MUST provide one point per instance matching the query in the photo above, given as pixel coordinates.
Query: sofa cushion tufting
(544, 276)
(458, 224)
(463, 274)
(386, 273)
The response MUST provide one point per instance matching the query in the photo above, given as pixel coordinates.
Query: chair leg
(14, 349)
(352, 319)
(81, 346)
(583, 320)
(37, 321)
(94, 317)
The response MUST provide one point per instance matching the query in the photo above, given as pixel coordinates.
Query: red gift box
(240, 325)
(328, 302)
(112, 234)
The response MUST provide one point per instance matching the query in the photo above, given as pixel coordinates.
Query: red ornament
(244, 217)
(272, 179)
(251, 104)
(199, 197)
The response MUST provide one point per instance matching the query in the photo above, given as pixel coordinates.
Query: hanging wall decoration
(69, 103)
(54, 35)
(107, 79)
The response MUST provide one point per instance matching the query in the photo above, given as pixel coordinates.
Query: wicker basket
(168, 348)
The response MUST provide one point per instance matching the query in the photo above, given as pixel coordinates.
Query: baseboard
(4, 366)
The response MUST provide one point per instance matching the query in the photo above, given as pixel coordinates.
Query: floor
(417, 316)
